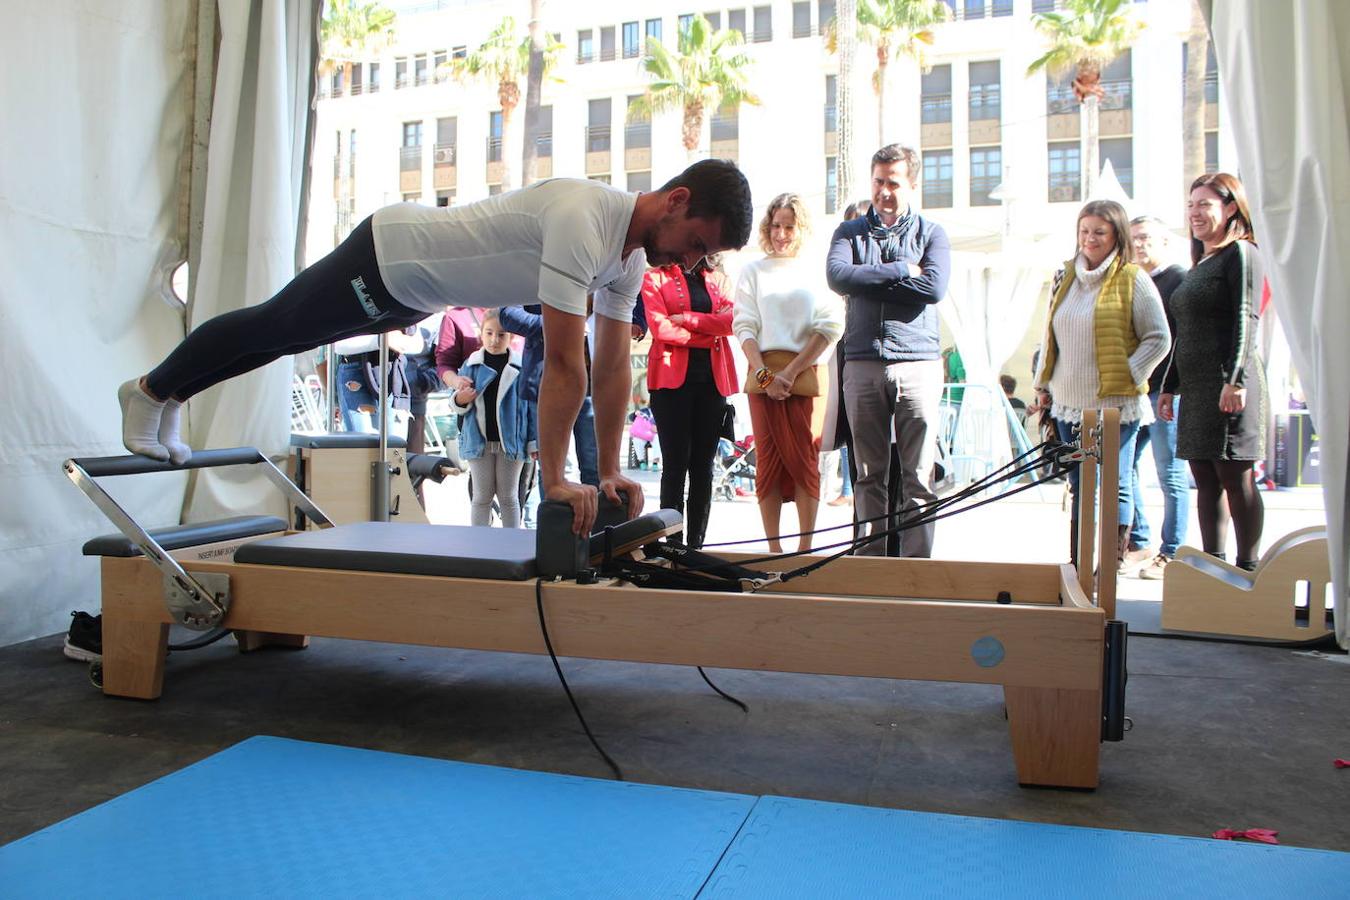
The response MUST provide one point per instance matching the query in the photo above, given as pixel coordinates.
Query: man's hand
(455, 382)
(914, 271)
(582, 499)
(465, 396)
(611, 485)
(639, 332)
(1165, 409)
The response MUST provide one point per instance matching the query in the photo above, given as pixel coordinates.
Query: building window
(1116, 77)
(437, 60)
(1211, 71)
(936, 100)
(356, 79)
(351, 154)
(494, 141)
(1059, 96)
(544, 142)
(603, 179)
(985, 91)
(986, 173)
(597, 128)
(824, 14)
(763, 24)
(1042, 6)
(726, 124)
(1066, 178)
(410, 156)
(412, 196)
(1002, 7)
(653, 30)
(335, 83)
(447, 130)
(831, 185)
(639, 181)
(831, 104)
(631, 46)
(374, 87)
(974, 9)
(585, 47)
(400, 73)
(1211, 152)
(445, 198)
(714, 20)
(420, 74)
(736, 21)
(801, 19)
(637, 134)
(607, 43)
(1120, 151)
(685, 21)
(937, 178)
(494, 189)
(463, 52)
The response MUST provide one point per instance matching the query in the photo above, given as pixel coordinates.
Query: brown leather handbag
(808, 380)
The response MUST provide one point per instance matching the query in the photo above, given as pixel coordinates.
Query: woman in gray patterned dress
(1221, 424)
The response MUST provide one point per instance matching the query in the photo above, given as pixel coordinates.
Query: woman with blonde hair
(785, 319)
(1104, 334)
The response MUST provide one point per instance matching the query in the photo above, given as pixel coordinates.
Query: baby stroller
(735, 460)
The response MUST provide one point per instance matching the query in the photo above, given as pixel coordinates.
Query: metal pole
(329, 392)
(379, 470)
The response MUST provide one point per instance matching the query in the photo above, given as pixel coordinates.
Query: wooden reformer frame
(1031, 628)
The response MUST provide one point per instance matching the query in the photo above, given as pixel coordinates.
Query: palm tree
(1193, 98)
(707, 71)
(503, 58)
(893, 27)
(534, 89)
(350, 31)
(1086, 36)
(845, 30)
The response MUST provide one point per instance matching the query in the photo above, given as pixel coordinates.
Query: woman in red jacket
(690, 373)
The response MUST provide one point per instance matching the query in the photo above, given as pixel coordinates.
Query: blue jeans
(1125, 473)
(844, 472)
(583, 434)
(1172, 478)
(354, 391)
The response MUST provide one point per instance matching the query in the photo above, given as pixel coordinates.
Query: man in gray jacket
(892, 266)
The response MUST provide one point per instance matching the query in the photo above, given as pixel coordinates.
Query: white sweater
(1075, 382)
(780, 305)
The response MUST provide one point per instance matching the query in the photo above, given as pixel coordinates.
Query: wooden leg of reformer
(133, 658)
(1108, 512)
(1056, 735)
(256, 640)
(1087, 509)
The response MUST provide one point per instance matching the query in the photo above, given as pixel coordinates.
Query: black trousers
(340, 296)
(688, 420)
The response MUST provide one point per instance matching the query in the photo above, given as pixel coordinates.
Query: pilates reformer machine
(624, 595)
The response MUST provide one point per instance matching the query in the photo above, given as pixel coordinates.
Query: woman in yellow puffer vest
(1104, 334)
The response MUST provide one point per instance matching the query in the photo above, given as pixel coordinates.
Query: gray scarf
(889, 238)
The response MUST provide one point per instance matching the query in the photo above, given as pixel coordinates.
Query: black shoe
(85, 639)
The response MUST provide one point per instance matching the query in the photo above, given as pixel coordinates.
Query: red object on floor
(1341, 763)
(1264, 835)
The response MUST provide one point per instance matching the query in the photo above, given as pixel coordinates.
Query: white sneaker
(140, 421)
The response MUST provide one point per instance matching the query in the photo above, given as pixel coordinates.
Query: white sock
(140, 421)
(179, 452)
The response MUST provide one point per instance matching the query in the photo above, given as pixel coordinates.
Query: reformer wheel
(96, 673)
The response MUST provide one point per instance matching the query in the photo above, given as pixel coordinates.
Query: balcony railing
(410, 158)
(980, 186)
(1118, 94)
(543, 144)
(935, 108)
(1060, 100)
(1062, 189)
(938, 195)
(637, 135)
(597, 138)
(494, 149)
(831, 119)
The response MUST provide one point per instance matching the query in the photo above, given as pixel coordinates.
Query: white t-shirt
(553, 242)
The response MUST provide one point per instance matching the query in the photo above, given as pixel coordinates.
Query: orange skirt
(785, 448)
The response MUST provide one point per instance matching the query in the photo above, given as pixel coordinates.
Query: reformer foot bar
(1029, 628)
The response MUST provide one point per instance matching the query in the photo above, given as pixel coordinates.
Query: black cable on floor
(745, 709)
(543, 627)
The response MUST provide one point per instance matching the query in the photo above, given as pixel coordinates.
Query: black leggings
(340, 296)
(688, 420)
(1236, 479)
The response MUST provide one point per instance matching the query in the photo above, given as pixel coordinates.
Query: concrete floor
(1225, 735)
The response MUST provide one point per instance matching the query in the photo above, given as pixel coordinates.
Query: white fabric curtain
(990, 303)
(1293, 143)
(96, 117)
(256, 164)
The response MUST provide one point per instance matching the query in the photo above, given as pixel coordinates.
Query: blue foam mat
(805, 848)
(274, 817)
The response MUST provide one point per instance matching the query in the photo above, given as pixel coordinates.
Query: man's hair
(1114, 215)
(791, 202)
(1148, 220)
(1008, 383)
(718, 190)
(856, 210)
(893, 153)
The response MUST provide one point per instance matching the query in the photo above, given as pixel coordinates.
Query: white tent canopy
(96, 205)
